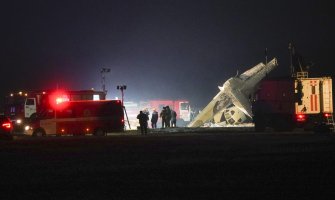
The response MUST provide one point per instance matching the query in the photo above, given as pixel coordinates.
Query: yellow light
(27, 128)
(26, 94)
(18, 121)
(20, 93)
(62, 99)
(59, 100)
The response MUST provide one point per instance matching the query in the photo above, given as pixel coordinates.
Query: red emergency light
(57, 99)
(327, 115)
(7, 125)
(301, 117)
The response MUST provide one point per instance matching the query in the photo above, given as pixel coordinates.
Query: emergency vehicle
(182, 107)
(78, 118)
(20, 107)
(288, 103)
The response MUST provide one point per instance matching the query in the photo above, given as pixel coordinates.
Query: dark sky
(176, 49)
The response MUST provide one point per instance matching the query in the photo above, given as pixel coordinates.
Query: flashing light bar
(7, 125)
(62, 99)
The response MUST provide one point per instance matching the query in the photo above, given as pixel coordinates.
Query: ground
(202, 165)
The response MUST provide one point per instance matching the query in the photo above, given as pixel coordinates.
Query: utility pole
(103, 72)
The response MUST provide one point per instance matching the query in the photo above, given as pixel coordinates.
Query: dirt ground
(239, 165)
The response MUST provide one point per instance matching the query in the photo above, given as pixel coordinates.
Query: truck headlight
(27, 128)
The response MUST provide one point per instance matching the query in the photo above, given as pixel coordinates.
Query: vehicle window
(96, 97)
(30, 102)
(184, 106)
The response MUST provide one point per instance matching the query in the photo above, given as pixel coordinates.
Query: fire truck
(298, 102)
(182, 108)
(20, 107)
(78, 118)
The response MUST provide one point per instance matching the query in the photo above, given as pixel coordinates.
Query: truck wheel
(39, 133)
(99, 132)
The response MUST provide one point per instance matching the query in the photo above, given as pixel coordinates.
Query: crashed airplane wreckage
(232, 104)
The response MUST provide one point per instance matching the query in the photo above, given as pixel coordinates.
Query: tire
(39, 133)
(99, 132)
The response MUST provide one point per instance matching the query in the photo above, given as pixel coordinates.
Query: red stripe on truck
(316, 102)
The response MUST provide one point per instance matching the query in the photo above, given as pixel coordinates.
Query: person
(143, 120)
(167, 116)
(173, 118)
(154, 118)
(163, 116)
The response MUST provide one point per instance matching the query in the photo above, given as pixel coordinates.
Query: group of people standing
(168, 116)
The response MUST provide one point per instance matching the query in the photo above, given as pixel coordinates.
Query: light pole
(122, 88)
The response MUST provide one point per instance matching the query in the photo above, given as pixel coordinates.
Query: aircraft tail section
(236, 92)
(261, 72)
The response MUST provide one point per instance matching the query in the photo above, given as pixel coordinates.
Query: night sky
(160, 49)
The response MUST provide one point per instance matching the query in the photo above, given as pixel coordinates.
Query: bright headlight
(27, 128)
(18, 121)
